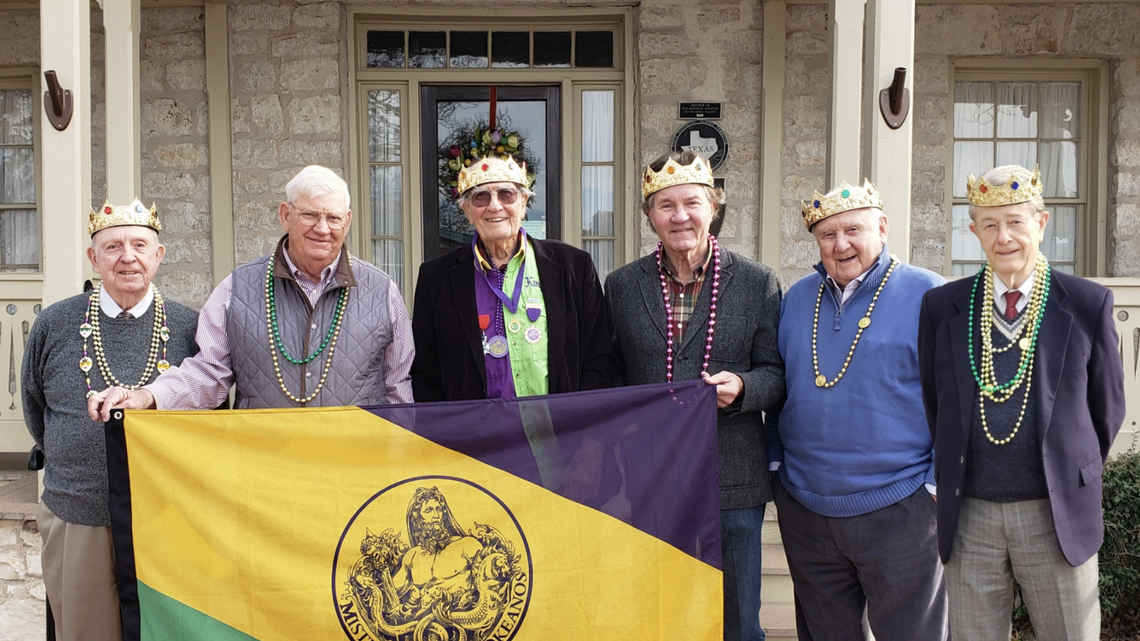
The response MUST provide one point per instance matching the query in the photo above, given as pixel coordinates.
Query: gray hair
(314, 181)
(465, 198)
(999, 176)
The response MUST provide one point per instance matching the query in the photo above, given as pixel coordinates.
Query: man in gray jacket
(122, 333)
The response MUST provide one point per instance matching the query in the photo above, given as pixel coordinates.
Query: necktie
(126, 314)
(1011, 298)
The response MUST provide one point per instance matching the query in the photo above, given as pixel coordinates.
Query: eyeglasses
(335, 222)
(482, 198)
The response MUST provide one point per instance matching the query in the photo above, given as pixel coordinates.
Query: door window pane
(388, 254)
(597, 126)
(386, 49)
(468, 49)
(510, 49)
(427, 49)
(552, 48)
(602, 252)
(384, 126)
(594, 49)
(387, 200)
(598, 200)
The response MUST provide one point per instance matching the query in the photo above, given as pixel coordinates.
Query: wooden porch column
(888, 152)
(121, 25)
(845, 107)
(65, 47)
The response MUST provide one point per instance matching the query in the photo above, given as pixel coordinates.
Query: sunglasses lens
(481, 198)
(507, 196)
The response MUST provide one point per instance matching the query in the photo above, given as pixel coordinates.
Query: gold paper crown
(493, 170)
(983, 194)
(116, 215)
(674, 173)
(847, 198)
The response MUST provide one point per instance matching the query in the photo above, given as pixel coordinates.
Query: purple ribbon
(511, 303)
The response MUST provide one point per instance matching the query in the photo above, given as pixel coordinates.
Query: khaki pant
(79, 575)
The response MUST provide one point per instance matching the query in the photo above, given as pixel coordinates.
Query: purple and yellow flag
(576, 516)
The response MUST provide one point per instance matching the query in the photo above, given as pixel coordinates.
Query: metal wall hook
(57, 102)
(894, 102)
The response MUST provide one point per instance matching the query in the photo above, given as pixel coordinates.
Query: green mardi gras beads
(337, 316)
(1022, 368)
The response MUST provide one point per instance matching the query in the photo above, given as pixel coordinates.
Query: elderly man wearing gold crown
(507, 315)
(121, 334)
(854, 458)
(1024, 394)
(694, 310)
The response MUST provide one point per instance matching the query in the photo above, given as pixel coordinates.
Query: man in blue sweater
(853, 455)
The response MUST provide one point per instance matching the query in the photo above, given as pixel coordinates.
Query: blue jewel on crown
(1014, 185)
(815, 204)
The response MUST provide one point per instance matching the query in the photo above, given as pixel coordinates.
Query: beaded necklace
(669, 310)
(276, 344)
(988, 385)
(864, 323)
(91, 328)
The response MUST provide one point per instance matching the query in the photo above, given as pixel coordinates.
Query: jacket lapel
(463, 286)
(960, 353)
(1052, 343)
(650, 286)
(551, 277)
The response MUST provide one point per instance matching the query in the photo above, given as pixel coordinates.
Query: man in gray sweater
(122, 334)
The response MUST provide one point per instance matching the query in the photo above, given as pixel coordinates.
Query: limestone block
(22, 618)
(312, 152)
(1126, 77)
(744, 154)
(244, 43)
(927, 217)
(191, 288)
(191, 251)
(202, 117)
(710, 17)
(270, 17)
(255, 154)
(250, 182)
(929, 155)
(658, 123)
(666, 45)
(306, 44)
(9, 534)
(928, 253)
(743, 184)
(30, 534)
(248, 248)
(798, 254)
(167, 19)
(1127, 219)
(1127, 258)
(187, 74)
(1126, 153)
(742, 46)
(679, 78)
(929, 184)
(239, 117)
(311, 74)
(152, 77)
(324, 15)
(798, 187)
(804, 17)
(808, 43)
(257, 215)
(1127, 184)
(1107, 29)
(158, 185)
(810, 153)
(258, 75)
(743, 119)
(806, 75)
(930, 116)
(20, 44)
(931, 75)
(315, 115)
(1032, 29)
(654, 16)
(1128, 118)
(957, 30)
(173, 46)
(266, 113)
(184, 217)
(166, 117)
(805, 116)
(183, 155)
(37, 591)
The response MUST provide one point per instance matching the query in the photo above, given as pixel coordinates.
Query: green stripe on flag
(165, 619)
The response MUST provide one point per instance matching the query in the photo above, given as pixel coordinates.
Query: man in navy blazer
(1024, 393)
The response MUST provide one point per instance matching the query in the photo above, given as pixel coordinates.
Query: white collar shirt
(112, 309)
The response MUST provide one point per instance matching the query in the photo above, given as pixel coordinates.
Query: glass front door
(451, 114)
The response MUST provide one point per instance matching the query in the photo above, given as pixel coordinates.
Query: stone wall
(288, 66)
(22, 597)
(703, 52)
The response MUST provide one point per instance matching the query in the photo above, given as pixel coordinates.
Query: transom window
(507, 49)
(1029, 123)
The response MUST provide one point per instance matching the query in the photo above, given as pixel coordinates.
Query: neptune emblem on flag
(444, 582)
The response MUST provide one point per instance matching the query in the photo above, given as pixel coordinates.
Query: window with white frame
(599, 171)
(19, 217)
(1043, 121)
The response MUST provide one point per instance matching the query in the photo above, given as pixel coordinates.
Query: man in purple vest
(308, 325)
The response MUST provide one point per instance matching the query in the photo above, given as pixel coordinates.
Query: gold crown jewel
(494, 170)
(983, 194)
(117, 215)
(847, 198)
(674, 173)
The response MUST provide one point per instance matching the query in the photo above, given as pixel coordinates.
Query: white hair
(999, 176)
(314, 181)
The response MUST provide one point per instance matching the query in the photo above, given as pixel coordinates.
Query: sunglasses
(483, 198)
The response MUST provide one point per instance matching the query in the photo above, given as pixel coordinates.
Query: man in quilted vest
(308, 325)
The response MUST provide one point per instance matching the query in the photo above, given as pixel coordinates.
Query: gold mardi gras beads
(864, 323)
(91, 328)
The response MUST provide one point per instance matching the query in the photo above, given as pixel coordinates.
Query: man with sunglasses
(308, 325)
(507, 315)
